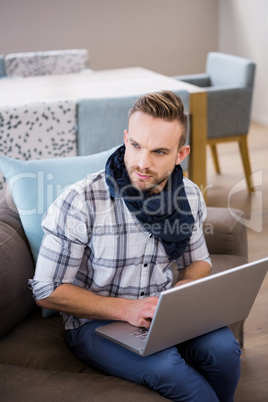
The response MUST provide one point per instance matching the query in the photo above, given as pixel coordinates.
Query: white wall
(243, 31)
(168, 36)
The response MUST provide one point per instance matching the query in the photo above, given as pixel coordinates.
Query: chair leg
(243, 145)
(215, 158)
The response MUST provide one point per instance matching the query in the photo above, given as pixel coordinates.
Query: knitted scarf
(166, 215)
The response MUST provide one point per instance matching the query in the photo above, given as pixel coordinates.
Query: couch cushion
(35, 364)
(24, 384)
(16, 267)
(35, 184)
(39, 343)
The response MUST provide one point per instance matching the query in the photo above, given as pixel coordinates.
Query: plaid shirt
(93, 241)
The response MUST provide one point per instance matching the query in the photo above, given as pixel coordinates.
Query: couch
(35, 363)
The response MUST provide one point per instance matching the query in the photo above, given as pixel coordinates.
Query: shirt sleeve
(66, 233)
(196, 249)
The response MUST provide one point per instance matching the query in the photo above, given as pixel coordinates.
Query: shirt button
(142, 294)
(145, 265)
(150, 235)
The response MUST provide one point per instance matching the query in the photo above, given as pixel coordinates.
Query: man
(109, 244)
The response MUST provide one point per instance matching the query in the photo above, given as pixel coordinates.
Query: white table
(110, 83)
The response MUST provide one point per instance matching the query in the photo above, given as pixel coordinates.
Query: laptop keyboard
(141, 333)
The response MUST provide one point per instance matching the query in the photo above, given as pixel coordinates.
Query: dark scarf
(166, 215)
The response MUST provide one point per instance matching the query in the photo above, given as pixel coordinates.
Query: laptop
(193, 309)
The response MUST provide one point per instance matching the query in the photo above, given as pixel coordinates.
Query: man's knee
(169, 374)
(217, 348)
(226, 349)
(221, 352)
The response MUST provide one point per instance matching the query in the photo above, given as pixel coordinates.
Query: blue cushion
(35, 184)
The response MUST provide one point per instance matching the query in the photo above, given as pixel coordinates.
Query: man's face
(152, 151)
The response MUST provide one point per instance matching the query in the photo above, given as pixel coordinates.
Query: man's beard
(146, 185)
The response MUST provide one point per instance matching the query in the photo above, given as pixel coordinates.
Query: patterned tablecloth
(38, 130)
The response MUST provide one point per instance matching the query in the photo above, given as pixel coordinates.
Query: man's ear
(125, 137)
(182, 154)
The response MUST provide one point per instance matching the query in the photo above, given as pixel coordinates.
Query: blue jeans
(204, 369)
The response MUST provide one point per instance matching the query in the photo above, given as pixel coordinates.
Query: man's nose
(144, 160)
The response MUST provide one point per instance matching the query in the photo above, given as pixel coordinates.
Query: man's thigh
(111, 358)
(166, 372)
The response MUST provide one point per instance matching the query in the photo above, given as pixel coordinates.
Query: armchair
(229, 82)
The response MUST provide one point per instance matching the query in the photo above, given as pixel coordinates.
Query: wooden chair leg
(243, 145)
(215, 158)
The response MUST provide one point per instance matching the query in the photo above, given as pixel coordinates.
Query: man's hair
(164, 105)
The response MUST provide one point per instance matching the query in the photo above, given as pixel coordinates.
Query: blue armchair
(229, 82)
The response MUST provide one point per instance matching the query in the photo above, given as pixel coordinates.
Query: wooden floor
(221, 192)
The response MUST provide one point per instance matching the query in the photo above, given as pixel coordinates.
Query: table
(110, 83)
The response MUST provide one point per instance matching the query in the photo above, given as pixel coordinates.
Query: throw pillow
(35, 184)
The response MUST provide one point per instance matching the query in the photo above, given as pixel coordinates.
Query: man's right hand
(141, 312)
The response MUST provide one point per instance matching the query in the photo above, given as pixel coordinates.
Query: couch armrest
(16, 267)
(227, 244)
(224, 233)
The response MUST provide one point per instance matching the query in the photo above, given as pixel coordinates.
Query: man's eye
(159, 152)
(135, 145)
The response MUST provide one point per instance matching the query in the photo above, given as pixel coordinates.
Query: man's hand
(140, 312)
